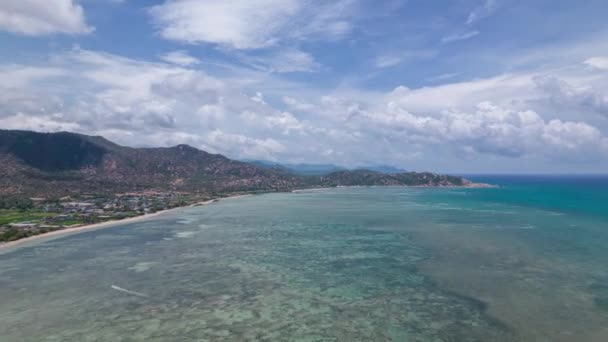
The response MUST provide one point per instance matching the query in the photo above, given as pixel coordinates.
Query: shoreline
(7, 246)
(471, 185)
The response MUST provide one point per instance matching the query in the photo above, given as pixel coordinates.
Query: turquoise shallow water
(356, 264)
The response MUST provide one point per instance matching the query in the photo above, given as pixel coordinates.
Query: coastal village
(36, 215)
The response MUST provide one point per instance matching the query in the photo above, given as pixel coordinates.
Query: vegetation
(16, 202)
(52, 180)
(40, 149)
(14, 216)
(51, 214)
(73, 164)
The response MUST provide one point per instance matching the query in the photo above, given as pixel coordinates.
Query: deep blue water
(585, 194)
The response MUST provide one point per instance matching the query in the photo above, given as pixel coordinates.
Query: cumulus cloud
(490, 129)
(45, 123)
(239, 24)
(563, 93)
(600, 63)
(143, 103)
(503, 90)
(244, 147)
(42, 17)
(180, 57)
(297, 104)
(23, 88)
(137, 102)
(243, 24)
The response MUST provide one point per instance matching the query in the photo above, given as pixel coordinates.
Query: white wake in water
(139, 294)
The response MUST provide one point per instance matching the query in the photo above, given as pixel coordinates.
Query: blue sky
(452, 86)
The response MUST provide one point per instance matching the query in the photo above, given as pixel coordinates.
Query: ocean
(523, 262)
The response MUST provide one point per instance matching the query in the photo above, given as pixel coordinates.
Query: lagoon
(348, 264)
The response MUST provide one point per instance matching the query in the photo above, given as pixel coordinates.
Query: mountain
(363, 177)
(67, 162)
(301, 169)
(269, 165)
(314, 169)
(391, 170)
(304, 169)
(64, 163)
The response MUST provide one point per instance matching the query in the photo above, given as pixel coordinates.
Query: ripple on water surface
(338, 265)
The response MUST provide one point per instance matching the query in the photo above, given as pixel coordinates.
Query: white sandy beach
(101, 225)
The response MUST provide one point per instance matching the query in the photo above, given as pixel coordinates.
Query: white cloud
(244, 147)
(482, 11)
(387, 61)
(180, 57)
(503, 90)
(598, 63)
(42, 17)
(297, 104)
(390, 60)
(293, 61)
(563, 93)
(23, 88)
(17, 76)
(287, 122)
(244, 24)
(445, 76)
(239, 24)
(46, 123)
(491, 129)
(144, 103)
(573, 93)
(460, 36)
(325, 20)
(284, 61)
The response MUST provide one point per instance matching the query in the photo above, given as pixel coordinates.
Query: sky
(461, 86)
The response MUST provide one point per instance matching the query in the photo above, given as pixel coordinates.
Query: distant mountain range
(304, 169)
(299, 169)
(64, 163)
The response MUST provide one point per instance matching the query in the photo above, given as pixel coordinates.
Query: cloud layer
(243, 24)
(37, 18)
(352, 82)
(146, 103)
